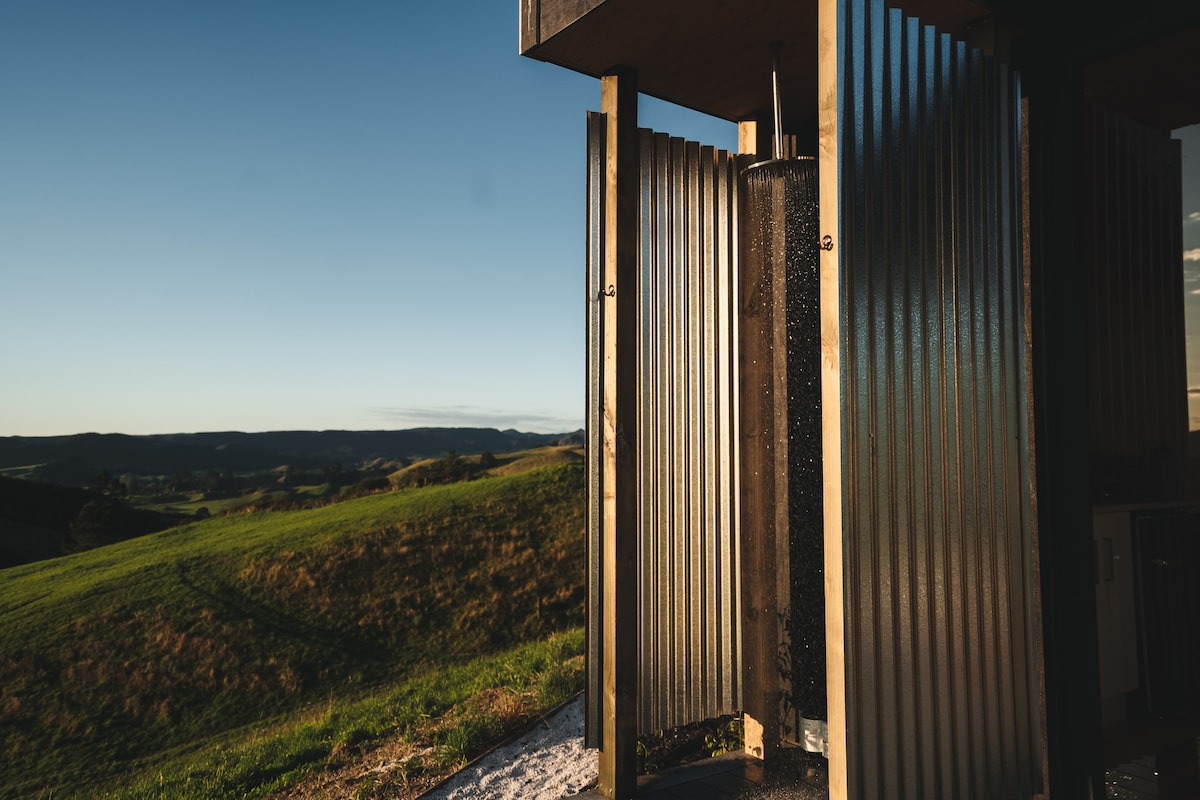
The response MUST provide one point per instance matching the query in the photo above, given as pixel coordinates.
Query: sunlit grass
(412, 732)
(117, 656)
(535, 459)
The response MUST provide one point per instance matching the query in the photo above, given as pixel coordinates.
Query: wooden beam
(529, 30)
(762, 384)
(618, 753)
(541, 20)
(829, 22)
(1058, 319)
(754, 138)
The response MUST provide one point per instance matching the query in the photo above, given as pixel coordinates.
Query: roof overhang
(714, 56)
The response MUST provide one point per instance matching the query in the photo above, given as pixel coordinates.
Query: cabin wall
(1137, 374)
(940, 612)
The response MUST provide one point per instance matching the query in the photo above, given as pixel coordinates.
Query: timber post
(618, 752)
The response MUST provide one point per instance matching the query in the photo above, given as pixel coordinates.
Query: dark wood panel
(714, 55)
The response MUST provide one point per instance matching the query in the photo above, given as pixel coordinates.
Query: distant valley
(77, 459)
(65, 494)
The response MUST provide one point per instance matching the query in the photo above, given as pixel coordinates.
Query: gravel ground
(794, 775)
(550, 763)
(547, 763)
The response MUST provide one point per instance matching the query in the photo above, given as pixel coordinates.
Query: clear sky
(287, 214)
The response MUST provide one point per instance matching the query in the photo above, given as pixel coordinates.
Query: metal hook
(826, 242)
(612, 291)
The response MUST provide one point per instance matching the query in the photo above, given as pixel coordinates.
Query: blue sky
(290, 215)
(272, 215)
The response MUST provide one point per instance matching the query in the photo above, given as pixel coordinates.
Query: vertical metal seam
(1138, 431)
(596, 131)
(690, 659)
(708, 425)
(933, 441)
(646, 565)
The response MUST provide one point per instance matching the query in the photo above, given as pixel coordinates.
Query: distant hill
(41, 520)
(76, 460)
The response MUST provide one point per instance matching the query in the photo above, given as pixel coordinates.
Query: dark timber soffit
(714, 55)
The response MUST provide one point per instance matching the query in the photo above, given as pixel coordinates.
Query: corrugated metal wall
(941, 665)
(689, 653)
(1137, 366)
(594, 423)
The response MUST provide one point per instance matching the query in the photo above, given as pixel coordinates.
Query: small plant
(558, 684)
(648, 749)
(726, 738)
(662, 750)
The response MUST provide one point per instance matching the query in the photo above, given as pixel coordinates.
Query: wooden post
(754, 139)
(829, 23)
(764, 468)
(1058, 320)
(618, 752)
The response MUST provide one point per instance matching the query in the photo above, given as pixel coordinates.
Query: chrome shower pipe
(778, 147)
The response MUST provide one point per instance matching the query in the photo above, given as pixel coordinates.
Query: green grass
(514, 463)
(432, 723)
(19, 472)
(117, 657)
(191, 502)
(507, 463)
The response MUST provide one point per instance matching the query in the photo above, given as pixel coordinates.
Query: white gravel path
(550, 763)
(547, 763)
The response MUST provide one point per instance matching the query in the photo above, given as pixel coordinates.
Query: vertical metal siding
(690, 658)
(941, 671)
(689, 661)
(593, 421)
(1137, 368)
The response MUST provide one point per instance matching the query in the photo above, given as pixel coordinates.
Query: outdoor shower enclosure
(727, 276)
(959, 628)
(729, 523)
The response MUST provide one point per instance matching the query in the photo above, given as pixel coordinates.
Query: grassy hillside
(40, 520)
(76, 459)
(121, 659)
(452, 467)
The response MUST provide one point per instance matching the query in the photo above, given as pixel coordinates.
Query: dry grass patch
(409, 763)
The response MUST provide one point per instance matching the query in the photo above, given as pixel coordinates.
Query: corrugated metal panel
(690, 655)
(1137, 365)
(941, 677)
(689, 662)
(596, 132)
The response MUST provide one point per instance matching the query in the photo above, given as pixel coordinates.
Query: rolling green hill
(76, 459)
(166, 653)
